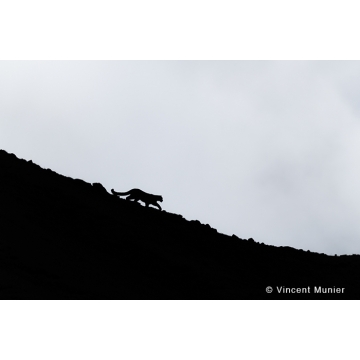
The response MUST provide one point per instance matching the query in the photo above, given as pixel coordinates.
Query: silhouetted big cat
(137, 194)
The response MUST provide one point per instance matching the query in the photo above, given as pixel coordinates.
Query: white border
(129, 30)
(177, 329)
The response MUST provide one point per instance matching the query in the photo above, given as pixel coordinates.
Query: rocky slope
(63, 238)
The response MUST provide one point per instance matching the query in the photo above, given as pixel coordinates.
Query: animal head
(160, 198)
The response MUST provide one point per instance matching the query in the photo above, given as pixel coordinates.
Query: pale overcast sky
(262, 149)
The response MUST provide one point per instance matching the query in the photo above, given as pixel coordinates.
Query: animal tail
(119, 193)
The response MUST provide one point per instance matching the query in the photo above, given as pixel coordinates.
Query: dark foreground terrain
(63, 238)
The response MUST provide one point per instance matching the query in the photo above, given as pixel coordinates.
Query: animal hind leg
(130, 197)
(135, 199)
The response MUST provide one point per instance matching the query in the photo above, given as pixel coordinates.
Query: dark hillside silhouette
(63, 238)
